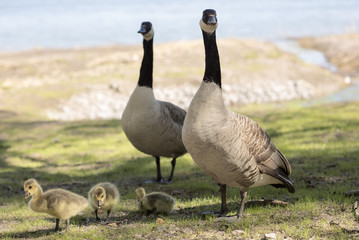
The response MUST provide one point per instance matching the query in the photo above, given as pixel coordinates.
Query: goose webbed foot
(157, 180)
(230, 219)
(218, 213)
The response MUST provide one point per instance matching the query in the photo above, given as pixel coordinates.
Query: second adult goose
(230, 147)
(153, 127)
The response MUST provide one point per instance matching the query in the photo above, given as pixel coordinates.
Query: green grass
(321, 143)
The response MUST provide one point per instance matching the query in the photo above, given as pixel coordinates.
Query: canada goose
(153, 127)
(103, 196)
(155, 202)
(59, 203)
(230, 147)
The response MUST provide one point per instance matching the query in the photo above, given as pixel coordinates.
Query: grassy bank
(321, 143)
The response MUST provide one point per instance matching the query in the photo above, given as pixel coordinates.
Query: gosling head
(100, 195)
(140, 193)
(30, 187)
(146, 30)
(208, 21)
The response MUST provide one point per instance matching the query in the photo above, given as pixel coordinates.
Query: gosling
(155, 202)
(59, 203)
(103, 196)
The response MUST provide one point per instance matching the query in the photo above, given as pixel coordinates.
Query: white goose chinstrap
(230, 147)
(153, 127)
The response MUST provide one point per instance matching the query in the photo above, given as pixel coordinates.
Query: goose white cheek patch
(207, 28)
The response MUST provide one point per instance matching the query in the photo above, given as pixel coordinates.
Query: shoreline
(95, 83)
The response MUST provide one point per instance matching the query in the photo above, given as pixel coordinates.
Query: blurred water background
(28, 24)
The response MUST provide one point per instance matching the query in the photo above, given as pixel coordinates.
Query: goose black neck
(145, 79)
(213, 69)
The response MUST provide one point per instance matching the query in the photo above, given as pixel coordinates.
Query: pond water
(27, 24)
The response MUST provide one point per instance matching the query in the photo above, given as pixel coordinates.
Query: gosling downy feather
(230, 147)
(103, 196)
(59, 203)
(155, 202)
(153, 127)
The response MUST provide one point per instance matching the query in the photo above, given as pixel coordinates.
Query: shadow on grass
(76, 221)
(28, 234)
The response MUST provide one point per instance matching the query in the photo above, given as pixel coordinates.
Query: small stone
(270, 236)
(237, 232)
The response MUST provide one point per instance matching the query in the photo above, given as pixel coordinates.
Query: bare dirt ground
(96, 82)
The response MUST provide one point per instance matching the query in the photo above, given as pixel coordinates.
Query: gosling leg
(67, 225)
(57, 225)
(173, 163)
(97, 218)
(108, 214)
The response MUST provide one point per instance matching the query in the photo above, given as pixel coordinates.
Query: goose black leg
(57, 224)
(224, 208)
(158, 165)
(67, 224)
(173, 163)
(239, 215)
(159, 176)
(241, 206)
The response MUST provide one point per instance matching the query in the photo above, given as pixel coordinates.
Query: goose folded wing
(172, 112)
(268, 158)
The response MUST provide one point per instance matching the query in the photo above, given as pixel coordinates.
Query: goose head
(140, 193)
(208, 21)
(30, 187)
(100, 195)
(146, 30)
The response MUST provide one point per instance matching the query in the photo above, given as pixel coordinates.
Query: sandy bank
(96, 82)
(341, 50)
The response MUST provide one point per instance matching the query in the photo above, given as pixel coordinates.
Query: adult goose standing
(228, 146)
(153, 127)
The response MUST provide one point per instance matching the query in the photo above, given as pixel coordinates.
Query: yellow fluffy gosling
(59, 203)
(103, 196)
(155, 202)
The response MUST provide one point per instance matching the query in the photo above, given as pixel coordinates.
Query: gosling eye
(30, 187)
(102, 196)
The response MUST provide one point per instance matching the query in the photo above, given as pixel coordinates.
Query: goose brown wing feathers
(171, 111)
(268, 158)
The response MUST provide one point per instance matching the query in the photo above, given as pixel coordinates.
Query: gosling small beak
(99, 204)
(142, 30)
(212, 20)
(27, 194)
